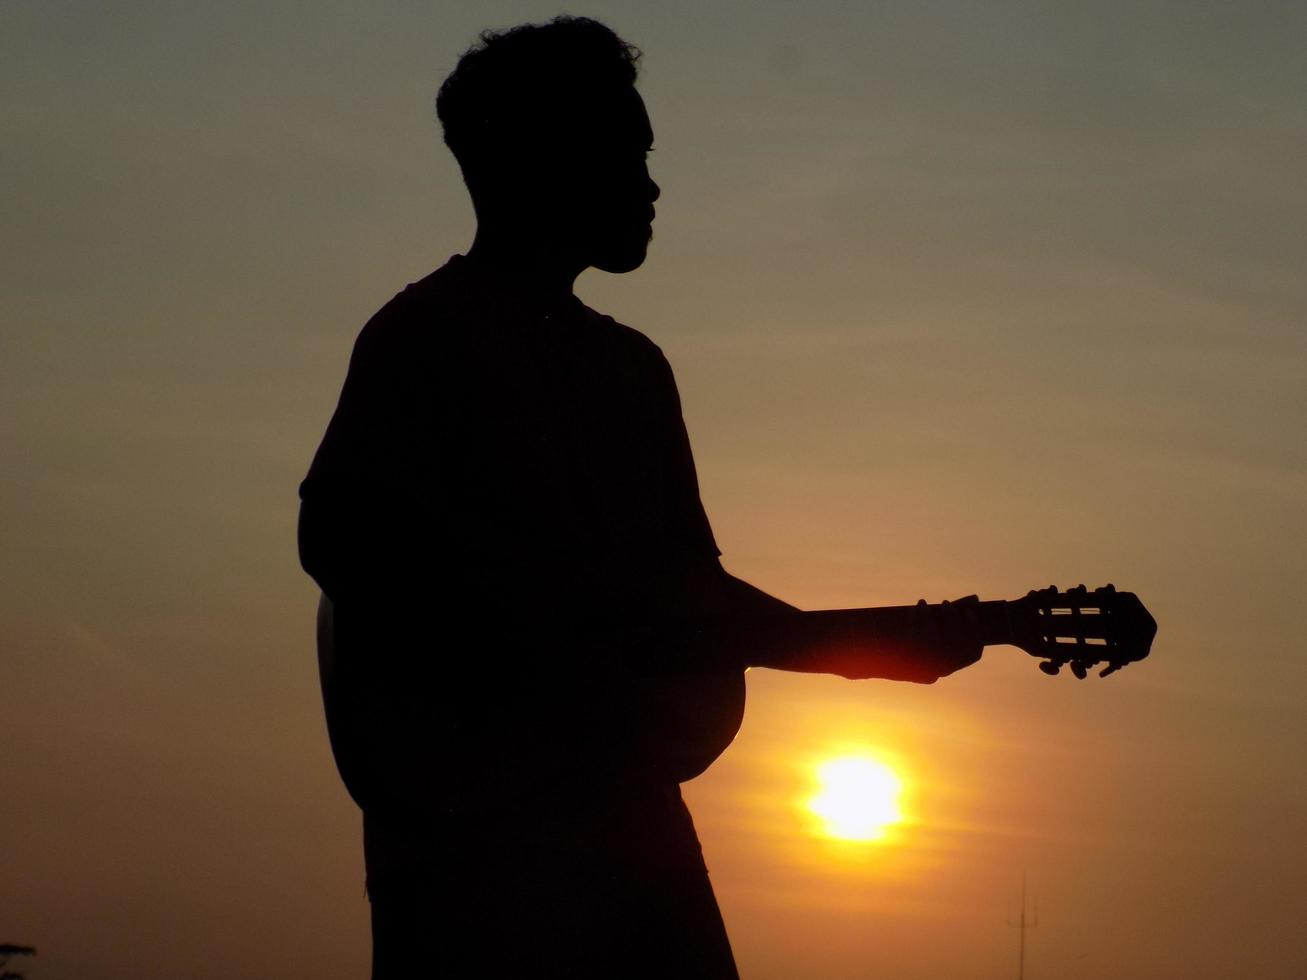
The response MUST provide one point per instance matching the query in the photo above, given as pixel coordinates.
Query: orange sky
(961, 298)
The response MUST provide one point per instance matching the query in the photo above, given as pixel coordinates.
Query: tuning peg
(1111, 668)
(1078, 590)
(1079, 670)
(1106, 588)
(1050, 668)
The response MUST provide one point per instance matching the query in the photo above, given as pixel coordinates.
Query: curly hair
(513, 85)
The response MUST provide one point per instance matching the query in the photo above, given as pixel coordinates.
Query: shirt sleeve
(370, 493)
(688, 520)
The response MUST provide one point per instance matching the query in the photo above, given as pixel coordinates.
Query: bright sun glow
(859, 798)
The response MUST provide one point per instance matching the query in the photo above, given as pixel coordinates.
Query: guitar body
(695, 717)
(342, 721)
(682, 722)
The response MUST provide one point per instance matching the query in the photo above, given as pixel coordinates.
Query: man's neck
(529, 270)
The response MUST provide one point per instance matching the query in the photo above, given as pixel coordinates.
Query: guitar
(694, 710)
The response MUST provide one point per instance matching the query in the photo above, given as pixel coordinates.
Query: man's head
(551, 135)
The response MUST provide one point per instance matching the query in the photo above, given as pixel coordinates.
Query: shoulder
(620, 333)
(627, 342)
(407, 325)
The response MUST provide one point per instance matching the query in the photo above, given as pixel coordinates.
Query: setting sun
(858, 799)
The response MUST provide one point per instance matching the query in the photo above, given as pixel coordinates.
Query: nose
(655, 191)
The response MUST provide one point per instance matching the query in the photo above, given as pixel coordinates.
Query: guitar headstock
(1082, 628)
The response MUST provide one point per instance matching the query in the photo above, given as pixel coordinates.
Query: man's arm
(711, 617)
(716, 619)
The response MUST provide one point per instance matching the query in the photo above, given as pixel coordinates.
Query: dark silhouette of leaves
(8, 950)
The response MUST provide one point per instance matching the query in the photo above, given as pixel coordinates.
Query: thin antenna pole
(1023, 924)
(1021, 960)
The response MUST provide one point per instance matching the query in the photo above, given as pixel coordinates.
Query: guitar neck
(1075, 627)
(993, 618)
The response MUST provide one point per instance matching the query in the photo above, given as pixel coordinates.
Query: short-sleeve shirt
(550, 436)
(507, 475)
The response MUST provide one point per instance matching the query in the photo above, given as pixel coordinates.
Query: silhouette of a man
(528, 641)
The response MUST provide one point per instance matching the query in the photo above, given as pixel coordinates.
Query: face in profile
(618, 203)
(598, 194)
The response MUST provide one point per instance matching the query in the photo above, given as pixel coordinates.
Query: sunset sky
(961, 297)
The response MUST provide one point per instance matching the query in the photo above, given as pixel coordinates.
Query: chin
(623, 257)
(618, 266)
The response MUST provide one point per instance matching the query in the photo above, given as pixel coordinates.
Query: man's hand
(944, 639)
(919, 643)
